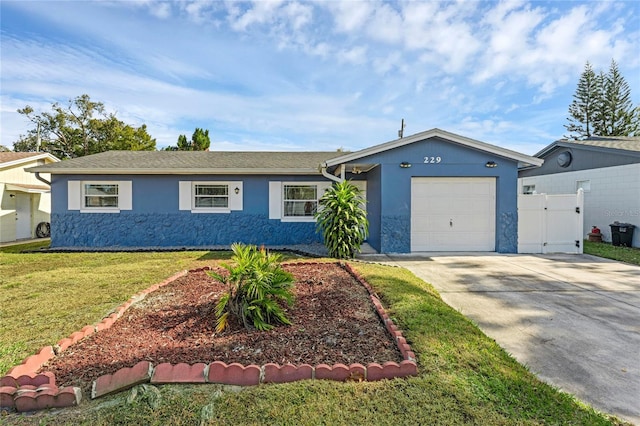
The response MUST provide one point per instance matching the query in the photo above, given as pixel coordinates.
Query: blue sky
(281, 76)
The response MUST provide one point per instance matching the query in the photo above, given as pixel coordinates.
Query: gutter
(323, 170)
(41, 179)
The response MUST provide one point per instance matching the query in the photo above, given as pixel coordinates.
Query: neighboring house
(25, 201)
(433, 191)
(606, 168)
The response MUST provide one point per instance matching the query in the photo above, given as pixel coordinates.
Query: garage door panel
(453, 214)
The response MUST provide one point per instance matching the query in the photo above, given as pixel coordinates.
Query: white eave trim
(169, 171)
(523, 160)
(42, 156)
(29, 189)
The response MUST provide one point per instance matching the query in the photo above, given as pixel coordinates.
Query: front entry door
(23, 216)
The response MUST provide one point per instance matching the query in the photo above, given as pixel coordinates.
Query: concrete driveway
(574, 320)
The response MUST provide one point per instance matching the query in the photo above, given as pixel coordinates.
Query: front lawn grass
(45, 297)
(465, 377)
(609, 251)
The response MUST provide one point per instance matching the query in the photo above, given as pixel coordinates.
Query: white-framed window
(210, 196)
(295, 201)
(99, 196)
(528, 189)
(299, 200)
(585, 185)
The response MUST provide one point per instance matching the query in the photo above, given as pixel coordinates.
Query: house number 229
(432, 160)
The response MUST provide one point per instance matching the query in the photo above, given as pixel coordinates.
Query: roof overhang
(562, 143)
(30, 189)
(522, 159)
(172, 171)
(43, 156)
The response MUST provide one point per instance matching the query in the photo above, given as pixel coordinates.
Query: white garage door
(453, 214)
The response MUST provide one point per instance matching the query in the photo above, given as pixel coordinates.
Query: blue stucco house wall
(390, 190)
(156, 221)
(157, 193)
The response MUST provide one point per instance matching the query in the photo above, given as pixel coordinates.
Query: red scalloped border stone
(29, 398)
(122, 379)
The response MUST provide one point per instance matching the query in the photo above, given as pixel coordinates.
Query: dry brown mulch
(333, 321)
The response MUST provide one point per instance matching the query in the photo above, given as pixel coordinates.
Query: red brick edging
(23, 390)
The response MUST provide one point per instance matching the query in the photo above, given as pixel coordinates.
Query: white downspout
(323, 169)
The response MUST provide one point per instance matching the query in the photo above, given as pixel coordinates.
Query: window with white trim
(299, 200)
(295, 201)
(100, 195)
(107, 196)
(528, 189)
(210, 196)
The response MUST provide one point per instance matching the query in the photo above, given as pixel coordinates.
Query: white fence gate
(550, 223)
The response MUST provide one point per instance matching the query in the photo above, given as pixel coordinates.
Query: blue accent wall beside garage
(455, 161)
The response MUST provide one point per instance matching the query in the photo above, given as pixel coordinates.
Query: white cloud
(260, 12)
(385, 25)
(292, 73)
(356, 55)
(545, 47)
(350, 16)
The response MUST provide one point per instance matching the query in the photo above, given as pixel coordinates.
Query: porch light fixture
(405, 164)
(237, 190)
(491, 164)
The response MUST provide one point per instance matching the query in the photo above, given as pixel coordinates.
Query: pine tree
(621, 119)
(199, 142)
(602, 106)
(585, 106)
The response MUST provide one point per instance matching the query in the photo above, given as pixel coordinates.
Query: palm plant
(256, 287)
(342, 220)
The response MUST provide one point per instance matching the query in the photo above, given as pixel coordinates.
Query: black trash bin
(621, 234)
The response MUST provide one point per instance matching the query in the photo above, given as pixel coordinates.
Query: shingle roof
(622, 143)
(523, 160)
(12, 158)
(190, 162)
(6, 157)
(614, 142)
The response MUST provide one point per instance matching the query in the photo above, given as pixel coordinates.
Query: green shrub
(256, 287)
(343, 220)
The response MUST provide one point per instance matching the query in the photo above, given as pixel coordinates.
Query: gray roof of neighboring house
(191, 162)
(622, 143)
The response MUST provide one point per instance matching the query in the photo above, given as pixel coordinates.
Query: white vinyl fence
(550, 223)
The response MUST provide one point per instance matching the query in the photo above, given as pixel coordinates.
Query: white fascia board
(472, 143)
(43, 156)
(92, 171)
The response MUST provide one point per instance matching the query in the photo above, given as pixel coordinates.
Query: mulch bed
(333, 321)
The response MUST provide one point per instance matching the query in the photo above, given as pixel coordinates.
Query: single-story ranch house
(432, 191)
(607, 168)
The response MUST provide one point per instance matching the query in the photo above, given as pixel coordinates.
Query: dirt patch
(333, 321)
